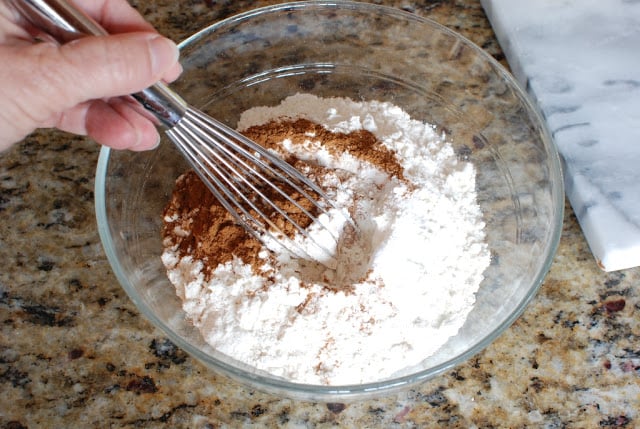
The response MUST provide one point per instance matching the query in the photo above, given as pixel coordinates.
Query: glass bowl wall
(364, 52)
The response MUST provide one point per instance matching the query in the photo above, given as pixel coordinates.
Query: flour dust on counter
(406, 276)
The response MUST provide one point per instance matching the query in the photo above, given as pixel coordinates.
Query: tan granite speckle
(75, 352)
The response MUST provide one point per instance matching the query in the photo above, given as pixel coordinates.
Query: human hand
(79, 86)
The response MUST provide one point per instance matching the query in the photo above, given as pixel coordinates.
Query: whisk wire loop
(237, 171)
(261, 158)
(223, 178)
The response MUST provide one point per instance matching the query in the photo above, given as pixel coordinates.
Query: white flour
(413, 274)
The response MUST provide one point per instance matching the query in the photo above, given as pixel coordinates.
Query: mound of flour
(407, 285)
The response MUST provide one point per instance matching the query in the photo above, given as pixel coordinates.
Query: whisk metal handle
(65, 22)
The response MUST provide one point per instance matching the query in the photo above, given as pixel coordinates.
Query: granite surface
(75, 352)
(578, 60)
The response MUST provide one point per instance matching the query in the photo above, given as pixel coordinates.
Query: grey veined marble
(580, 61)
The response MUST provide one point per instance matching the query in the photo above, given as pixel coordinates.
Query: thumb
(99, 67)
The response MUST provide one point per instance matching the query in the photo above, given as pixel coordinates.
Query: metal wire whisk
(245, 177)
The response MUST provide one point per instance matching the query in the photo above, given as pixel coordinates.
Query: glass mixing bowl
(364, 52)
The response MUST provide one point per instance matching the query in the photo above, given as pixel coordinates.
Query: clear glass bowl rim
(343, 392)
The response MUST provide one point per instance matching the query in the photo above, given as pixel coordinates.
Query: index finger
(116, 16)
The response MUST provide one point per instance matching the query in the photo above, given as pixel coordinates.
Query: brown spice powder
(214, 236)
(361, 144)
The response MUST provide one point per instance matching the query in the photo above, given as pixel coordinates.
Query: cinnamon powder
(215, 237)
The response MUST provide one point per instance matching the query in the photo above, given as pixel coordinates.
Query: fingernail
(145, 147)
(164, 54)
(157, 143)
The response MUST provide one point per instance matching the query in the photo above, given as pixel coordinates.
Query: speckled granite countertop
(75, 352)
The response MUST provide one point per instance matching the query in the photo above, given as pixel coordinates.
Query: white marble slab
(580, 62)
